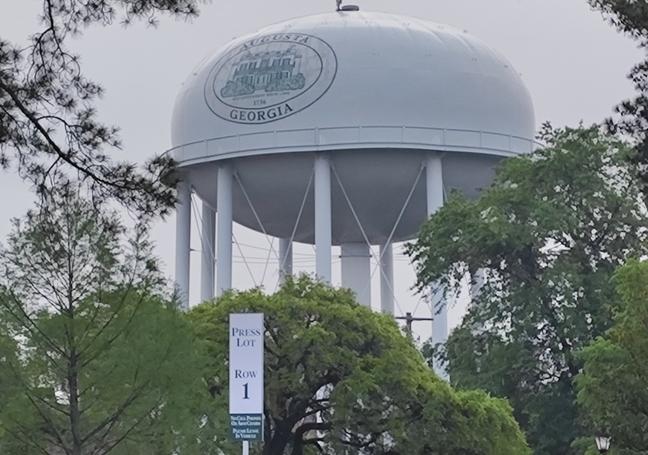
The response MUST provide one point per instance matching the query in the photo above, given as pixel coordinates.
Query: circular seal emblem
(270, 77)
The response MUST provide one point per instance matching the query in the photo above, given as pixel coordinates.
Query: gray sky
(573, 63)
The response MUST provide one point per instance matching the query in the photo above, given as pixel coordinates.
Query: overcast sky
(573, 63)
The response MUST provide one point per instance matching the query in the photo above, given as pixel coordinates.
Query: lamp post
(603, 443)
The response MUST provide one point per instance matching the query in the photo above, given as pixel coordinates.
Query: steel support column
(434, 185)
(477, 282)
(387, 279)
(183, 243)
(356, 271)
(208, 256)
(323, 230)
(225, 220)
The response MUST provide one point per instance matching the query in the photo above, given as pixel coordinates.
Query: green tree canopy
(631, 17)
(372, 390)
(97, 359)
(548, 236)
(613, 386)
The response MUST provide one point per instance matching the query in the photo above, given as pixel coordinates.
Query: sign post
(246, 378)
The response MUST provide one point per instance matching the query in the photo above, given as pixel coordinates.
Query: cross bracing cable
(307, 260)
(247, 266)
(398, 220)
(265, 269)
(254, 212)
(201, 236)
(198, 216)
(297, 221)
(366, 238)
(198, 219)
(256, 247)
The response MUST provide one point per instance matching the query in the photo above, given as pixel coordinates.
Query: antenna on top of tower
(346, 7)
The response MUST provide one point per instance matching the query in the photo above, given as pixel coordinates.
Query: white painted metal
(323, 234)
(224, 244)
(382, 93)
(396, 86)
(434, 183)
(429, 78)
(439, 324)
(435, 190)
(246, 448)
(476, 284)
(208, 256)
(387, 279)
(183, 242)
(356, 271)
(285, 259)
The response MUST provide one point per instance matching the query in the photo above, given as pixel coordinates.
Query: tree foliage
(49, 127)
(631, 17)
(373, 393)
(613, 386)
(96, 359)
(548, 235)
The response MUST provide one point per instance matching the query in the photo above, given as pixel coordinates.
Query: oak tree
(613, 386)
(548, 236)
(370, 389)
(631, 119)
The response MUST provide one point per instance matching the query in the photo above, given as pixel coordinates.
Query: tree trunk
(279, 440)
(75, 412)
(298, 448)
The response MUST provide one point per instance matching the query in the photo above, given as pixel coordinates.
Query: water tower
(346, 129)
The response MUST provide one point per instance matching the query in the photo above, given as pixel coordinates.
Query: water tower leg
(183, 243)
(323, 234)
(208, 241)
(356, 271)
(285, 259)
(224, 208)
(477, 282)
(434, 179)
(387, 279)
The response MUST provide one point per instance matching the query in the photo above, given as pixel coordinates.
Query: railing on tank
(351, 137)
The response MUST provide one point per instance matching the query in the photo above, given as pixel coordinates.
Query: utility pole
(409, 320)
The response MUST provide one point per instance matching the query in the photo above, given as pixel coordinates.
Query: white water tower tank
(344, 129)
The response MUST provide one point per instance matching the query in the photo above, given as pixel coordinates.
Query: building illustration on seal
(268, 71)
